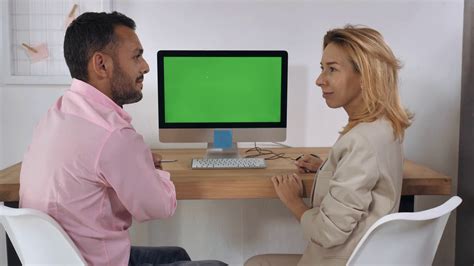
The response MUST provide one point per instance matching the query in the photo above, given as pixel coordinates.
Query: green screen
(222, 89)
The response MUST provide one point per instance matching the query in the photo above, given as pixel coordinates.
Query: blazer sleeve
(349, 193)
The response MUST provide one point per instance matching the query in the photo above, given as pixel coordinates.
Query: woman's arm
(289, 189)
(348, 196)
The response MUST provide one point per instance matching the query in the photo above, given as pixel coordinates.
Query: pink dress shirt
(92, 172)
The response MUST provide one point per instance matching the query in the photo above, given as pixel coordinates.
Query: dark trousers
(165, 256)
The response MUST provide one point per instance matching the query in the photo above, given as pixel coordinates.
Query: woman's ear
(102, 65)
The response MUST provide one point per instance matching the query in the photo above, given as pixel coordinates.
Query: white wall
(3, 254)
(1, 132)
(425, 35)
(1, 98)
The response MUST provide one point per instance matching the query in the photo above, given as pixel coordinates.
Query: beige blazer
(360, 182)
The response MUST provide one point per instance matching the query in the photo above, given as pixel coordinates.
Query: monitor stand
(232, 152)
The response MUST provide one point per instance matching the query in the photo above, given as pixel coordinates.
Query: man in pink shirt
(87, 167)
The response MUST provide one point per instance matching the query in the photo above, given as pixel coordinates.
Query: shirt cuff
(163, 174)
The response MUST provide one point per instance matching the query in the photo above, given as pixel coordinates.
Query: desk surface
(248, 183)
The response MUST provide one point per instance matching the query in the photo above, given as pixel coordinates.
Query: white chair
(38, 239)
(404, 238)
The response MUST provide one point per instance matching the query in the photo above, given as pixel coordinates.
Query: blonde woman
(361, 180)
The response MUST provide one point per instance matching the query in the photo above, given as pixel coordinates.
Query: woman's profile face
(340, 84)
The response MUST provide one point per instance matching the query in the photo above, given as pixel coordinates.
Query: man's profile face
(129, 67)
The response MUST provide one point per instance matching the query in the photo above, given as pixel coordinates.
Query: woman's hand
(289, 189)
(308, 163)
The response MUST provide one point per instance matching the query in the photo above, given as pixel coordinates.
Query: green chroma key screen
(230, 89)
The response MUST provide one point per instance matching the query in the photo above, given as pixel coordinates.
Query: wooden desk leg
(12, 257)
(407, 203)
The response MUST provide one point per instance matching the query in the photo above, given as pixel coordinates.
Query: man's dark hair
(87, 34)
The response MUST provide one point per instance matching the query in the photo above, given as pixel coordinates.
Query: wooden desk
(246, 184)
(243, 184)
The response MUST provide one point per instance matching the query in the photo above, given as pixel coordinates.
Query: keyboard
(228, 163)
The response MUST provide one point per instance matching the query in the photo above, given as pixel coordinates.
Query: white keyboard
(228, 163)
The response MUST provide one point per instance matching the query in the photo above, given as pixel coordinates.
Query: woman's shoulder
(378, 128)
(376, 134)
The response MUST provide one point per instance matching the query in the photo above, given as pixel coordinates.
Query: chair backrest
(404, 238)
(38, 239)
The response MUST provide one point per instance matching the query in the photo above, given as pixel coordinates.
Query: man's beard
(123, 88)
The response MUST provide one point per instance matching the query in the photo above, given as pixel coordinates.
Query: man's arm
(126, 165)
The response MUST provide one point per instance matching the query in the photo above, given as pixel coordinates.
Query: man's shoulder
(97, 115)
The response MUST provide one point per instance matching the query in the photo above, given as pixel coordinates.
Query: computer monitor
(244, 92)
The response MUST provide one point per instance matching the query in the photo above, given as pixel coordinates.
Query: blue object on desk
(223, 139)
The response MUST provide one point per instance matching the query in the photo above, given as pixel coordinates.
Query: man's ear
(101, 65)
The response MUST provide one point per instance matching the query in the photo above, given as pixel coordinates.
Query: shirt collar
(93, 94)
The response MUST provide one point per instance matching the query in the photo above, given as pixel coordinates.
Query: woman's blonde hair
(374, 61)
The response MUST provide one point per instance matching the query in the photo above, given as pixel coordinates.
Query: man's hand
(308, 163)
(157, 160)
(289, 189)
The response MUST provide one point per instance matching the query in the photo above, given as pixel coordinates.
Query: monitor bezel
(224, 53)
